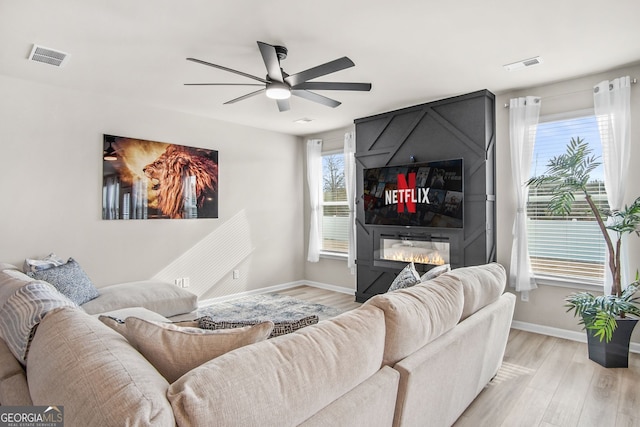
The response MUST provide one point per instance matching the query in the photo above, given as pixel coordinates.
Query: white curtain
(523, 121)
(612, 105)
(314, 175)
(350, 183)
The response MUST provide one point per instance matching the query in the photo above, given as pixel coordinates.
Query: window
(570, 248)
(335, 209)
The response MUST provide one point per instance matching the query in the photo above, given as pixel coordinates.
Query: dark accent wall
(458, 127)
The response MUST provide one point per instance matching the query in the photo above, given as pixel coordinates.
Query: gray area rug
(271, 306)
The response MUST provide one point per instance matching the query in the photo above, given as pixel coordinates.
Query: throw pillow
(279, 327)
(115, 319)
(23, 311)
(70, 280)
(51, 260)
(407, 278)
(435, 272)
(175, 350)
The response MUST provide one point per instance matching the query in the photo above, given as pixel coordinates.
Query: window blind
(569, 247)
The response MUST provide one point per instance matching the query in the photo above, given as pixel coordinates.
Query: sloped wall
(458, 127)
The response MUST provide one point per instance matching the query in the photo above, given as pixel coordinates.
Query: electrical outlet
(236, 274)
(178, 282)
(524, 296)
(185, 282)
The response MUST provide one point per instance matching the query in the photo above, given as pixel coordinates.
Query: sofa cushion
(418, 315)
(285, 380)
(163, 298)
(282, 327)
(481, 285)
(406, 278)
(70, 279)
(175, 350)
(10, 281)
(79, 363)
(24, 310)
(139, 312)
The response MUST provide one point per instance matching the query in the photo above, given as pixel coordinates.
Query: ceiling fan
(280, 86)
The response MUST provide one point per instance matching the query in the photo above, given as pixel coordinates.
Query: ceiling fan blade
(320, 70)
(249, 95)
(283, 105)
(316, 98)
(271, 61)
(220, 67)
(333, 86)
(222, 84)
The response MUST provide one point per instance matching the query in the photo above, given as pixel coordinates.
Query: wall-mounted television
(429, 194)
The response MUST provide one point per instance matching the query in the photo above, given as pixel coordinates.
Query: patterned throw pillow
(51, 260)
(23, 311)
(70, 280)
(279, 328)
(407, 278)
(435, 272)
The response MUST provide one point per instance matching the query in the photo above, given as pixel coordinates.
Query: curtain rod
(633, 81)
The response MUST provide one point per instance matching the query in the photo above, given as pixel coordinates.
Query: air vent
(48, 56)
(524, 63)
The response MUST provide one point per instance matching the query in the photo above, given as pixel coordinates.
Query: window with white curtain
(566, 248)
(334, 227)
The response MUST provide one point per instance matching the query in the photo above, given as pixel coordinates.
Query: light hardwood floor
(544, 381)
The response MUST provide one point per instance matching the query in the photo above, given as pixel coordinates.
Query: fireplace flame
(433, 258)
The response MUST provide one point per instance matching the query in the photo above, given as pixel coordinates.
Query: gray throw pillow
(435, 272)
(406, 278)
(70, 280)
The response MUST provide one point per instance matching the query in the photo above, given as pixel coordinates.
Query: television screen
(418, 194)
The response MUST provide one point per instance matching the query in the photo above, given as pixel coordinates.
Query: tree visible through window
(567, 247)
(335, 210)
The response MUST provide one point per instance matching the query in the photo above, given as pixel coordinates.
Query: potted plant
(605, 316)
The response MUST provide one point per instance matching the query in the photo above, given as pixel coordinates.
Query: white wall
(545, 306)
(51, 184)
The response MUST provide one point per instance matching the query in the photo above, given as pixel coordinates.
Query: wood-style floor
(544, 381)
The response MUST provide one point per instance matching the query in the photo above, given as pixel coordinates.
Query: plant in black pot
(605, 317)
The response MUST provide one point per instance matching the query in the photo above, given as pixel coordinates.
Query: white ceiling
(412, 51)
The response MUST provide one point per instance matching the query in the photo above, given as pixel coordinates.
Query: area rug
(270, 306)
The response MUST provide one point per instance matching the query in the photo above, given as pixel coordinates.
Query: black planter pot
(615, 353)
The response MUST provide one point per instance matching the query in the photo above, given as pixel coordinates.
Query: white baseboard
(561, 333)
(276, 288)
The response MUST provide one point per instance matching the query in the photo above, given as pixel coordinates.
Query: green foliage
(599, 313)
(567, 174)
(627, 220)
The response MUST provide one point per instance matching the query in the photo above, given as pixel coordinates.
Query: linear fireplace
(424, 250)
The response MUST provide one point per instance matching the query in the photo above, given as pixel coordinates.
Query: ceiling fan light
(278, 90)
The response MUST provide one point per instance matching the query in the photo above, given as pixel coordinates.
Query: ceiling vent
(524, 63)
(48, 56)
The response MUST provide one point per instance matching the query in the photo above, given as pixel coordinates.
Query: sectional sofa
(412, 357)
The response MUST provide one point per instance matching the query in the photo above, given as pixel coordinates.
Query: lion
(168, 171)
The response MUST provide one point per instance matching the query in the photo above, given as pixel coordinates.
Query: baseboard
(275, 288)
(326, 286)
(561, 333)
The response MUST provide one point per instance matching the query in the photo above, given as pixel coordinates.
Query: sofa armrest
(160, 297)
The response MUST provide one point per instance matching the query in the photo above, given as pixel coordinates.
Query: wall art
(152, 180)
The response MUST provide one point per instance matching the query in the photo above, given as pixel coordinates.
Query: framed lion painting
(148, 179)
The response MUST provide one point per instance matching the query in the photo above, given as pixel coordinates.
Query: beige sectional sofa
(412, 357)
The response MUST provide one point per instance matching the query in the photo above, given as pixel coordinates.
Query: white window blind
(335, 209)
(570, 247)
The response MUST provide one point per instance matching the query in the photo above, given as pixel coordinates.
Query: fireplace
(424, 250)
